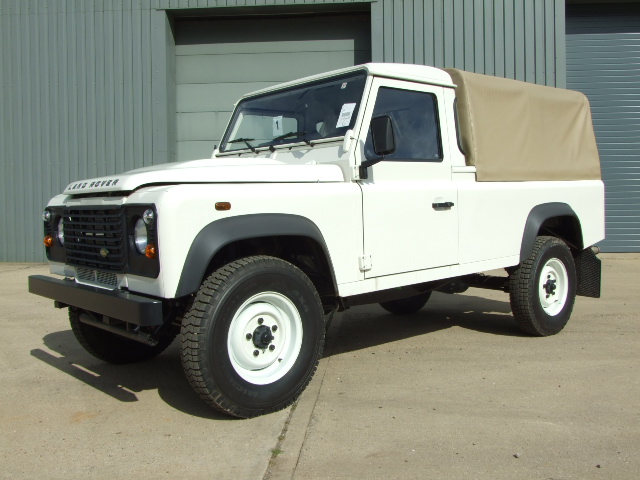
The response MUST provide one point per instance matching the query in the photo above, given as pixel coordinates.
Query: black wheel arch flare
(219, 233)
(571, 233)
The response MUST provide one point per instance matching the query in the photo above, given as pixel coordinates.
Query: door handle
(443, 205)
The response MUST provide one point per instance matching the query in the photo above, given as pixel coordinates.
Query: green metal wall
(603, 62)
(88, 87)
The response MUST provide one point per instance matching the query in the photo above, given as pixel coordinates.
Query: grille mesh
(94, 238)
(95, 277)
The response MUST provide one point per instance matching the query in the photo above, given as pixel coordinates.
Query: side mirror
(384, 143)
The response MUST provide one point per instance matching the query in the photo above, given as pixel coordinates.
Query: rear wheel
(542, 290)
(253, 337)
(406, 306)
(111, 347)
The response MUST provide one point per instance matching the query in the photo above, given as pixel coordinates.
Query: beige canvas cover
(517, 131)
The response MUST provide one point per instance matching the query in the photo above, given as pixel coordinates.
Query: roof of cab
(400, 71)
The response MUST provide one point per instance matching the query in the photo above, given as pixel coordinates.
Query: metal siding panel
(418, 32)
(105, 69)
(559, 44)
(428, 28)
(438, 34)
(449, 34)
(460, 34)
(22, 39)
(5, 120)
(99, 154)
(137, 90)
(603, 61)
(118, 163)
(509, 40)
(408, 35)
(147, 98)
(90, 94)
(10, 105)
(539, 55)
(387, 25)
(498, 36)
(161, 44)
(377, 32)
(473, 37)
(519, 42)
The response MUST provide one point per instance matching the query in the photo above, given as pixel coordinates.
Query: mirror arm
(364, 173)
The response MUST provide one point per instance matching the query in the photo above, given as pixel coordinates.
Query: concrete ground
(453, 392)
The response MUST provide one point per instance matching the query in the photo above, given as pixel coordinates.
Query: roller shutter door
(603, 61)
(219, 59)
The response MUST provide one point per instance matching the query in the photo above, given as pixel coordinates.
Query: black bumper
(118, 304)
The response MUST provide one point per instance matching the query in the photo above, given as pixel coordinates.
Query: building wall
(88, 88)
(603, 61)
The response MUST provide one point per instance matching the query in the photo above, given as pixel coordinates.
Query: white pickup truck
(378, 183)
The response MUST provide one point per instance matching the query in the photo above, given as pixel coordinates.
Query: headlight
(60, 232)
(140, 236)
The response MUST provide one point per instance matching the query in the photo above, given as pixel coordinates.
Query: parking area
(454, 391)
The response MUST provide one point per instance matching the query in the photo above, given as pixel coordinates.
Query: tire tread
(193, 344)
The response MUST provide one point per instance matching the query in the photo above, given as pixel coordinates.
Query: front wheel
(253, 337)
(543, 288)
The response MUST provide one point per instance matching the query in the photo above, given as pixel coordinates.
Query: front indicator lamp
(148, 216)
(150, 251)
(48, 241)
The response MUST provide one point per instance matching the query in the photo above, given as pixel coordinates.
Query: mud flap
(589, 272)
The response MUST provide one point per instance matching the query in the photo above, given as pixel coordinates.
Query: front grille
(94, 237)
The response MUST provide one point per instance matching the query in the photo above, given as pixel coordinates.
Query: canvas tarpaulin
(517, 131)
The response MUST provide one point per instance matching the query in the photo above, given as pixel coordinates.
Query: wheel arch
(279, 235)
(555, 219)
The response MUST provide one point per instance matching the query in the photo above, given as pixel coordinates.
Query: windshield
(305, 113)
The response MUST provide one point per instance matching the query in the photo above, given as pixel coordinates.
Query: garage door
(603, 61)
(219, 59)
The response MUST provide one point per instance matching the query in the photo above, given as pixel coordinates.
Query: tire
(113, 348)
(233, 356)
(542, 289)
(406, 306)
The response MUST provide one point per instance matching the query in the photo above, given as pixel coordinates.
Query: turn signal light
(48, 241)
(221, 206)
(150, 251)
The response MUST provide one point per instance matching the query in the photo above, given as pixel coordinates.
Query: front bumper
(132, 308)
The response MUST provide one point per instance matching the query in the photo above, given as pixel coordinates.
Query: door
(409, 202)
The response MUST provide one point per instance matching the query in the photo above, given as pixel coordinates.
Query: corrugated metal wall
(603, 61)
(88, 86)
(84, 93)
(521, 39)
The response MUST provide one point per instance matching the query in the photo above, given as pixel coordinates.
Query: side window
(415, 124)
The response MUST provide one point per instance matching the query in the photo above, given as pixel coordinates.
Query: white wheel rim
(553, 287)
(265, 337)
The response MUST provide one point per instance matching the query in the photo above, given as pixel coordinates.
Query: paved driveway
(451, 392)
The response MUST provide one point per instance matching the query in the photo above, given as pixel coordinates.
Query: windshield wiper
(246, 142)
(292, 134)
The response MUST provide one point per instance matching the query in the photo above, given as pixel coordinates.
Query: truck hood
(237, 170)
